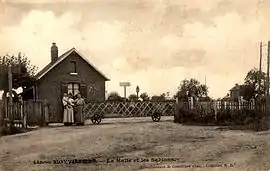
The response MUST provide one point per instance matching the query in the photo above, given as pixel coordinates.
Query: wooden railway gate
(96, 111)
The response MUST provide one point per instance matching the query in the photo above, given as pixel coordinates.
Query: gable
(60, 59)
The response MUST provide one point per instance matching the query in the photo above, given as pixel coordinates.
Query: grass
(11, 130)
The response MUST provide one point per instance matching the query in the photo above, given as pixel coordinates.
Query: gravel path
(135, 144)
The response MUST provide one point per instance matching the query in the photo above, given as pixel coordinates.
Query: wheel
(156, 117)
(96, 119)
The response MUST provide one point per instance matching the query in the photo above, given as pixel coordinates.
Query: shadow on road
(130, 122)
(113, 121)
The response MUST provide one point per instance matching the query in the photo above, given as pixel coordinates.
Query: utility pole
(260, 68)
(268, 60)
(10, 93)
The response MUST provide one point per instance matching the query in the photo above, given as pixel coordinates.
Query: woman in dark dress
(79, 116)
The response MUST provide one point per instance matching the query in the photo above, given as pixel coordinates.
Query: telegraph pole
(260, 67)
(268, 60)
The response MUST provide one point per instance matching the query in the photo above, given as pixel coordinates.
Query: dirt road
(139, 144)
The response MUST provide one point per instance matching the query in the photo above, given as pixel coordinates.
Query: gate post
(191, 102)
(178, 115)
(21, 110)
(267, 104)
(215, 104)
(176, 110)
(2, 113)
(24, 115)
(42, 112)
(46, 112)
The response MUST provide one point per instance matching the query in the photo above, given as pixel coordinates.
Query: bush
(251, 119)
(10, 130)
(3, 131)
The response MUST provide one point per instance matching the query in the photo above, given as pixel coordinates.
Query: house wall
(235, 93)
(50, 86)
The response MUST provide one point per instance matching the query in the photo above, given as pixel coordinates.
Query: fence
(129, 109)
(220, 112)
(27, 113)
(228, 105)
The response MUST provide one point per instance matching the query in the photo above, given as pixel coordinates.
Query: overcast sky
(151, 43)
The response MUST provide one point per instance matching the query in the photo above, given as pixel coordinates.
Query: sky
(154, 44)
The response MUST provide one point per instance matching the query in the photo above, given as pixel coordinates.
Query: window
(73, 67)
(73, 88)
(83, 90)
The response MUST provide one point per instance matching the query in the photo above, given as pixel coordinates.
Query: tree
(247, 91)
(205, 99)
(114, 96)
(144, 96)
(253, 80)
(133, 97)
(161, 97)
(191, 87)
(22, 76)
(22, 72)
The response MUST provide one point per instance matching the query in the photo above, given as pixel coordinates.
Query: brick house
(234, 94)
(69, 73)
(235, 91)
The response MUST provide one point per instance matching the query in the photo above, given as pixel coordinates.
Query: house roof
(236, 87)
(51, 65)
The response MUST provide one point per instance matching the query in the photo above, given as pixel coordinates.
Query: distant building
(235, 91)
(234, 94)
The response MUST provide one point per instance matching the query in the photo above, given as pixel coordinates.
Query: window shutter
(64, 89)
(83, 90)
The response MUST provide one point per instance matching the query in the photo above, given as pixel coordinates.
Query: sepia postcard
(145, 85)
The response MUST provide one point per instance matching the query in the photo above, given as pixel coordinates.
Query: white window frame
(72, 89)
(76, 72)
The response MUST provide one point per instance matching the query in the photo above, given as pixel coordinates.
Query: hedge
(249, 119)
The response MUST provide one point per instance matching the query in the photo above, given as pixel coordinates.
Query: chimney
(54, 52)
